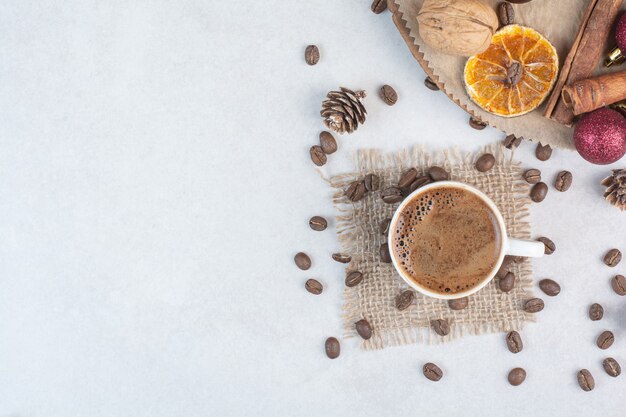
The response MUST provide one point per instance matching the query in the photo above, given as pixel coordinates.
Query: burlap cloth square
(489, 310)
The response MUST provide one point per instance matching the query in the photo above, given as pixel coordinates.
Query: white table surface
(155, 184)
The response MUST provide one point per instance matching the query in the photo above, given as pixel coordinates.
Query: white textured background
(155, 185)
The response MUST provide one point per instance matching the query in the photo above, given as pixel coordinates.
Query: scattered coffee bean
(611, 366)
(507, 283)
(550, 287)
(514, 342)
(549, 246)
(363, 328)
(379, 6)
(504, 267)
(332, 347)
(532, 176)
(312, 54)
(372, 182)
(538, 192)
(459, 303)
(432, 371)
(317, 155)
(328, 142)
(585, 380)
(407, 178)
(477, 124)
(353, 278)
(302, 261)
(517, 376)
(506, 14)
(392, 195)
(613, 257)
(388, 94)
(563, 181)
(512, 141)
(519, 259)
(355, 191)
(438, 174)
(344, 259)
(419, 182)
(314, 286)
(318, 223)
(385, 256)
(404, 299)
(534, 305)
(543, 152)
(605, 340)
(596, 312)
(384, 227)
(618, 283)
(485, 162)
(428, 82)
(440, 326)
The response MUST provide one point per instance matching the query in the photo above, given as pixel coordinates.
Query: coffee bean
(532, 176)
(585, 380)
(485, 162)
(388, 94)
(549, 246)
(563, 181)
(514, 342)
(385, 256)
(618, 283)
(384, 227)
(534, 305)
(391, 195)
(312, 54)
(605, 340)
(550, 287)
(355, 191)
(432, 371)
(353, 278)
(379, 6)
(538, 192)
(512, 141)
(518, 1)
(440, 326)
(302, 261)
(506, 14)
(504, 267)
(317, 155)
(363, 328)
(318, 223)
(596, 312)
(611, 366)
(332, 347)
(613, 257)
(404, 299)
(419, 182)
(517, 376)
(428, 82)
(438, 174)
(344, 259)
(543, 152)
(459, 303)
(507, 283)
(477, 123)
(328, 142)
(407, 178)
(314, 286)
(372, 182)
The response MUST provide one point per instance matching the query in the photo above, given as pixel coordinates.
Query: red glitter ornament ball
(600, 136)
(620, 33)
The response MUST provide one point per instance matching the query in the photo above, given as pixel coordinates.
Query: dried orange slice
(515, 74)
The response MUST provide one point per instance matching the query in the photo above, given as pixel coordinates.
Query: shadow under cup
(447, 240)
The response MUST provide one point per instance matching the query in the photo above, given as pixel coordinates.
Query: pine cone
(616, 188)
(343, 111)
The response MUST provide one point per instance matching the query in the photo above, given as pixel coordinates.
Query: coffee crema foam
(447, 240)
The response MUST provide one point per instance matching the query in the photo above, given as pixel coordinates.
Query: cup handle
(525, 248)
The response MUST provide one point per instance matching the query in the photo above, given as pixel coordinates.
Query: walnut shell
(457, 27)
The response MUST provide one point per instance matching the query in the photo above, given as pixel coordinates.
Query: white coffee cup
(509, 245)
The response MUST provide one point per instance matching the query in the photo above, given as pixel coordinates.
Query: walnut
(457, 27)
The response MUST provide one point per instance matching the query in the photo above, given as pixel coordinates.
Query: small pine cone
(343, 111)
(616, 188)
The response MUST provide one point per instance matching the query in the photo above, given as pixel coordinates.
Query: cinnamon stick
(586, 95)
(584, 55)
